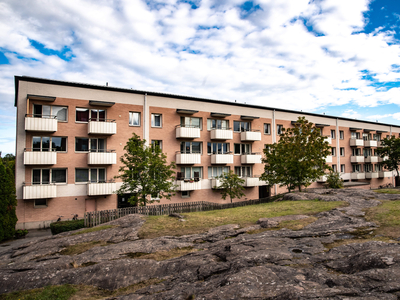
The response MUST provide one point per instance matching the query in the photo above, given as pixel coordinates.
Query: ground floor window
(185, 194)
(38, 203)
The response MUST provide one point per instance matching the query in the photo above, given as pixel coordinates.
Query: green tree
(298, 158)
(231, 185)
(145, 172)
(8, 202)
(390, 151)
(333, 180)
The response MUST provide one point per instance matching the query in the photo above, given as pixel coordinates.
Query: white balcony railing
(253, 181)
(356, 142)
(222, 159)
(383, 174)
(370, 143)
(250, 136)
(380, 159)
(357, 159)
(188, 158)
(40, 157)
(221, 134)
(345, 176)
(102, 158)
(322, 179)
(187, 132)
(357, 175)
(371, 159)
(328, 139)
(39, 191)
(215, 183)
(371, 175)
(188, 185)
(44, 124)
(250, 158)
(101, 188)
(328, 159)
(107, 127)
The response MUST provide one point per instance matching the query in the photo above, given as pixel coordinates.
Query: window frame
(342, 151)
(222, 127)
(90, 175)
(50, 170)
(241, 168)
(333, 134)
(224, 169)
(89, 116)
(333, 151)
(267, 128)
(90, 139)
(139, 119)
(51, 112)
(50, 143)
(191, 147)
(241, 145)
(40, 205)
(185, 196)
(210, 146)
(153, 115)
(279, 129)
(341, 134)
(157, 143)
(241, 123)
(183, 170)
(189, 125)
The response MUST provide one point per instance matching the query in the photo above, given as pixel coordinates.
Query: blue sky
(337, 57)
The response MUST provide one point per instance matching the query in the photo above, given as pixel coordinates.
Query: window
(218, 148)
(191, 147)
(365, 136)
(279, 129)
(38, 203)
(267, 128)
(96, 145)
(191, 172)
(341, 134)
(156, 120)
(333, 134)
(377, 136)
(378, 168)
(217, 124)
(185, 194)
(239, 126)
(49, 111)
(333, 151)
(267, 147)
(86, 115)
(341, 151)
(47, 176)
(242, 149)
(367, 152)
(90, 175)
(343, 168)
(368, 168)
(134, 118)
(42, 143)
(157, 143)
(357, 168)
(334, 168)
(217, 171)
(356, 151)
(355, 135)
(190, 122)
(243, 171)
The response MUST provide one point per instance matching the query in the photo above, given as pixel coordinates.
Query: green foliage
(231, 185)
(298, 159)
(145, 172)
(390, 148)
(334, 181)
(62, 226)
(59, 292)
(8, 202)
(19, 233)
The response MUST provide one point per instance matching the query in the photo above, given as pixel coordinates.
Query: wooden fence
(99, 217)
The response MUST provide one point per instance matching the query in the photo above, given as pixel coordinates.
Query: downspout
(337, 146)
(146, 133)
(274, 141)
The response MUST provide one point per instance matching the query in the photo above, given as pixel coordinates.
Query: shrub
(58, 227)
(334, 181)
(20, 233)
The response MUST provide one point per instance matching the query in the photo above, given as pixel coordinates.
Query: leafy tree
(145, 172)
(390, 149)
(8, 202)
(298, 158)
(333, 180)
(231, 185)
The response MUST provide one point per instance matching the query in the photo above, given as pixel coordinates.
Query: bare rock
(176, 215)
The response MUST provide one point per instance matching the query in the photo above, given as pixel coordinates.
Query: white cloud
(351, 114)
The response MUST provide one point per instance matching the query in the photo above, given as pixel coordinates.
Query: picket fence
(99, 217)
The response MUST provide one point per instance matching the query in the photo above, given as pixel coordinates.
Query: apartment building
(70, 137)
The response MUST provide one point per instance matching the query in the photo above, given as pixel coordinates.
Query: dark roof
(132, 91)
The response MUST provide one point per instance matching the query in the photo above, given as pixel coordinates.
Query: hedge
(62, 226)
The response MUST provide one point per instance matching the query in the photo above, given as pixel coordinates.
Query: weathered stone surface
(274, 222)
(229, 263)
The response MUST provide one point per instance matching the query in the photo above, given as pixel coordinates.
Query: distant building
(70, 137)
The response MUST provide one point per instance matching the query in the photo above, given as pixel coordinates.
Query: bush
(20, 233)
(334, 181)
(58, 227)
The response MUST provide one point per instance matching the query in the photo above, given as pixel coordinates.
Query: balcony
(189, 185)
(188, 158)
(215, 183)
(39, 157)
(253, 181)
(39, 191)
(383, 174)
(345, 176)
(101, 188)
(222, 159)
(107, 127)
(328, 139)
(370, 175)
(221, 134)
(328, 159)
(378, 143)
(356, 142)
(250, 158)
(381, 159)
(322, 179)
(355, 159)
(108, 157)
(187, 132)
(372, 159)
(357, 175)
(250, 136)
(41, 123)
(371, 143)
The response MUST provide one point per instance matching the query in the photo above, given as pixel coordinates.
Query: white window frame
(216, 147)
(342, 153)
(213, 171)
(90, 175)
(187, 194)
(267, 128)
(333, 134)
(50, 176)
(191, 147)
(279, 129)
(224, 124)
(153, 120)
(343, 168)
(153, 143)
(51, 112)
(51, 143)
(131, 113)
(245, 145)
(333, 151)
(341, 134)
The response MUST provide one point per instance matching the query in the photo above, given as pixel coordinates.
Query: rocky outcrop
(228, 262)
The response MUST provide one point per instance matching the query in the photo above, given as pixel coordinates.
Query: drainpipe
(337, 146)
(274, 141)
(146, 133)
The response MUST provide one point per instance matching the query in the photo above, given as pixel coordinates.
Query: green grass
(59, 292)
(387, 216)
(197, 222)
(93, 229)
(388, 191)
